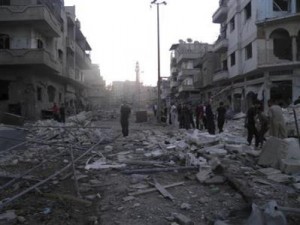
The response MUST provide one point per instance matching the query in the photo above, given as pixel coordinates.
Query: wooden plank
(162, 190)
(149, 190)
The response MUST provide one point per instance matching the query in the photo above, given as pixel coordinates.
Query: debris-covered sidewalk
(84, 172)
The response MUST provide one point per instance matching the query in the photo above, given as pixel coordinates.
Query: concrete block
(269, 171)
(182, 219)
(280, 178)
(290, 166)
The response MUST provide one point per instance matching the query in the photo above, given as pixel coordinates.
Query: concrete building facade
(256, 56)
(42, 57)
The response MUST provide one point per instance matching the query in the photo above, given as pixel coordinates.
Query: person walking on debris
(62, 113)
(125, 112)
(221, 110)
(173, 114)
(277, 123)
(210, 123)
(55, 111)
(262, 125)
(180, 116)
(250, 125)
(199, 112)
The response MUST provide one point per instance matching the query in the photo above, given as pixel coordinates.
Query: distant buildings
(43, 57)
(256, 56)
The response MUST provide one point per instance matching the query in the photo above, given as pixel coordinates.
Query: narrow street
(157, 175)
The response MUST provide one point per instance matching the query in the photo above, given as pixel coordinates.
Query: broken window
(282, 44)
(248, 11)
(39, 94)
(4, 2)
(232, 59)
(51, 93)
(248, 51)
(40, 43)
(4, 41)
(4, 90)
(232, 24)
(280, 5)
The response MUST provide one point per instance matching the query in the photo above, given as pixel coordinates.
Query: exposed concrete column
(267, 90)
(294, 47)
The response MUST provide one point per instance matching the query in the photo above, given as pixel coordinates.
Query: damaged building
(43, 54)
(256, 55)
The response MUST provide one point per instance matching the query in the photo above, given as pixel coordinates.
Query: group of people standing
(257, 123)
(203, 115)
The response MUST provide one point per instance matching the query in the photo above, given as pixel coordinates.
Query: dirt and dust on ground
(85, 172)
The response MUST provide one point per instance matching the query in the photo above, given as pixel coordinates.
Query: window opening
(4, 2)
(248, 11)
(248, 51)
(280, 5)
(51, 93)
(4, 41)
(40, 44)
(39, 94)
(232, 59)
(4, 90)
(232, 24)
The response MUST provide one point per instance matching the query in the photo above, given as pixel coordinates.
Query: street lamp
(158, 3)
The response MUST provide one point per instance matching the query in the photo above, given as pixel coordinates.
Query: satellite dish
(189, 40)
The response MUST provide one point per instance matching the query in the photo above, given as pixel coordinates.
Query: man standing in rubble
(277, 123)
(125, 112)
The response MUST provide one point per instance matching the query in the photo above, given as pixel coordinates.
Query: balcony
(29, 57)
(70, 44)
(186, 88)
(220, 75)
(267, 59)
(187, 72)
(38, 16)
(221, 45)
(220, 15)
(188, 55)
(82, 59)
(173, 84)
(71, 73)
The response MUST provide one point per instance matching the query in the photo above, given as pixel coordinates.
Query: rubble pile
(156, 175)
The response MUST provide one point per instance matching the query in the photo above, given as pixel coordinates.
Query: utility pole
(158, 114)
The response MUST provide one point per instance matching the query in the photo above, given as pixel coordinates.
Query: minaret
(137, 85)
(137, 72)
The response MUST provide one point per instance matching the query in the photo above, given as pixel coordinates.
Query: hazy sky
(123, 32)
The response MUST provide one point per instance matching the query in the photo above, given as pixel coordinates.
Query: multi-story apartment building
(184, 71)
(259, 44)
(96, 96)
(42, 55)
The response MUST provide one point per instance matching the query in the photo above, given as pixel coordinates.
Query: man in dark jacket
(221, 110)
(250, 125)
(125, 112)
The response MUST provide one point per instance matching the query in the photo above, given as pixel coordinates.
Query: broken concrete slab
(269, 171)
(204, 174)
(182, 219)
(216, 152)
(290, 166)
(277, 149)
(215, 180)
(280, 178)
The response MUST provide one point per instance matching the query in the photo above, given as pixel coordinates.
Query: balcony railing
(221, 45)
(20, 57)
(71, 44)
(184, 87)
(39, 17)
(173, 84)
(220, 75)
(188, 55)
(187, 72)
(82, 59)
(266, 58)
(220, 15)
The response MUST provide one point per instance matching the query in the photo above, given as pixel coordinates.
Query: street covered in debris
(86, 172)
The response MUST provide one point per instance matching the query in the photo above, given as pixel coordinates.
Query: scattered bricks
(290, 166)
(182, 219)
